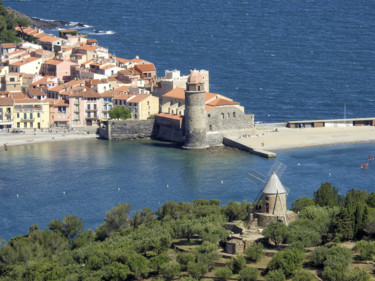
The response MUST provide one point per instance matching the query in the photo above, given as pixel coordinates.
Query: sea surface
(41, 182)
(282, 60)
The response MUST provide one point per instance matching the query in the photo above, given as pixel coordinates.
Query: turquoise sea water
(84, 178)
(282, 60)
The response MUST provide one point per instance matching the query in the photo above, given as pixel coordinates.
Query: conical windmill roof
(274, 185)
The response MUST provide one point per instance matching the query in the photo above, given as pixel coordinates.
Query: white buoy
(299, 164)
(167, 185)
(222, 182)
(329, 174)
(64, 192)
(118, 189)
(18, 196)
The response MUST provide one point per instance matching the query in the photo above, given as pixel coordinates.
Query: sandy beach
(270, 137)
(277, 137)
(30, 137)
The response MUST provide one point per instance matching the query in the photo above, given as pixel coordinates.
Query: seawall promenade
(30, 137)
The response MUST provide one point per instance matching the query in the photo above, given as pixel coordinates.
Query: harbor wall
(127, 129)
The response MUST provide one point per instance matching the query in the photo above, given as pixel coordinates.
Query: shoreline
(31, 137)
(273, 136)
(269, 139)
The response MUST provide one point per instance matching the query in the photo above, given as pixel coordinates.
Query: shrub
(254, 252)
(169, 270)
(301, 203)
(275, 275)
(237, 263)
(248, 274)
(366, 249)
(276, 231)
(288, 261)
(319, 255)
(303, 275)
(223, 273)
(184, 258)
(197, 269)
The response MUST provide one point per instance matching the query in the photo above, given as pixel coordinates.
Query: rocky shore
(43, 24)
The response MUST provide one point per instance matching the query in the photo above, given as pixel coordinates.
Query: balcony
(91, 118)
(76, 102)
(91, 110)
(27, 120)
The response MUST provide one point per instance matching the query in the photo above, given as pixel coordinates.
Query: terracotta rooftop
(27, 101)
(108, 94)
(121, 60)
(176, 93)
(138, 98)
(40, 35)
(37, 92)
(19, 95)
(24, 61)
(8, 45)
(146, 67)
(43, 80)
(88, 47)
(122, 97)
(219, 102)
(53, 62)
(122, 89)
(6, 101)
(170, 116)
(48, 39)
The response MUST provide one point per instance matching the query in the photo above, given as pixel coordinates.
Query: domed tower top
(195, 77)
(195, 82)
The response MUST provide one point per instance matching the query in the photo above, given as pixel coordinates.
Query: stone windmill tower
(195, 112)
(272, 198)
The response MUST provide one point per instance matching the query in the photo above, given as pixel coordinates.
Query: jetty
(269, 138)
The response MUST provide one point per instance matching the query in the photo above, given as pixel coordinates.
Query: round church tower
(195, 112)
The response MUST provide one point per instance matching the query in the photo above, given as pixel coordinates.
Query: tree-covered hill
(185, 241)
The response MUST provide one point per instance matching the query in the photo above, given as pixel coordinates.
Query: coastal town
(70, 81)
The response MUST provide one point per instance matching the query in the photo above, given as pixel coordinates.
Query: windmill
(273, 194)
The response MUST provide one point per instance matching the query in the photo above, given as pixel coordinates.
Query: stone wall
(227, 122)
(167, 133)
(264, 219)
(128, 129)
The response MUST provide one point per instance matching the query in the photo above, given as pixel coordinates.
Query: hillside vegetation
(184, 241)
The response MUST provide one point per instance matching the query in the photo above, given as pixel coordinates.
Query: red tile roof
(108, 94)
(37, 92)
(6, 101)
(24, 61)
(176, 93)
(122, 89)
(146, 67)
(48, 39)
(170, 116)
(122, 97)
(53, 62)
(138, 98)
(8, 45)
(219, 102)
(88, 47)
